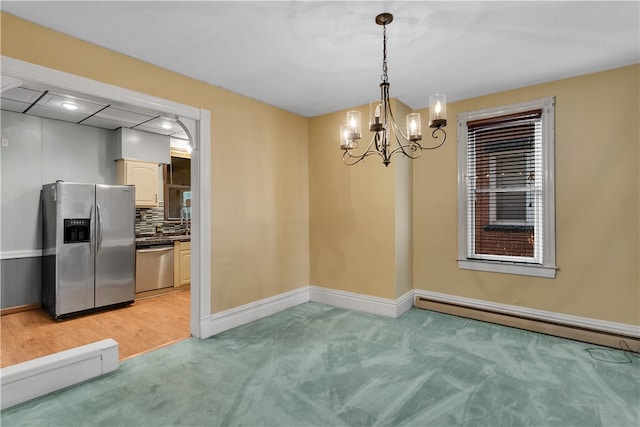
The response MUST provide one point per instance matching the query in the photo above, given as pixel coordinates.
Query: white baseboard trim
(238, 316)
(531, 313)
(404, 303)
(35, 378)
(229, 319)
(352, 301)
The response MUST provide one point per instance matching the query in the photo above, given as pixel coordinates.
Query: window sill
(508, 268)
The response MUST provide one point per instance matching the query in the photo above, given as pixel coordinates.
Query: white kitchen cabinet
(133, 144)
(144, 176)
(182, 264)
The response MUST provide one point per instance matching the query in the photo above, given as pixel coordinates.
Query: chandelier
(388, 139)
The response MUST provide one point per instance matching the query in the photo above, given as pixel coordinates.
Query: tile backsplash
(150, 221)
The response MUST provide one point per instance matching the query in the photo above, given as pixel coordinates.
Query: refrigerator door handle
(99, 224)
(92, 240)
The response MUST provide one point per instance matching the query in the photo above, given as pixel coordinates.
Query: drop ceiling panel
(154, 130)
(123, 116)
(105, 123)
(57, 114)
(16, 106)
(160, 125)
(87, 108)
(21, 94)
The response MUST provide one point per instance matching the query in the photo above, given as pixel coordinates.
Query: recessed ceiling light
(166, 125)
(70, 106)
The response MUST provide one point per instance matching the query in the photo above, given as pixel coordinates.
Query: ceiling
(316, 57)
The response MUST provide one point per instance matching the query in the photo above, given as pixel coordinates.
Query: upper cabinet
(133, 144)
(144, 176)
(138, 155)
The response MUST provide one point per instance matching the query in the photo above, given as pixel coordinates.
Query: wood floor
(145, 325)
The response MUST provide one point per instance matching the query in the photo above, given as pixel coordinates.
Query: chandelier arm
(347, 159)
(347, 156)
(433, 134)
(366, 151)
(397, 130)
(378, 140)
(415, 147)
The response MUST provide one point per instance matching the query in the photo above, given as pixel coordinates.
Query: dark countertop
(161, 240)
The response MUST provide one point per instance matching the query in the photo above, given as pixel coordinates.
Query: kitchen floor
(147, 324)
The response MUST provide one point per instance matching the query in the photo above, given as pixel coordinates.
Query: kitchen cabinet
(134, 144)
(144, 176)
(182, 264)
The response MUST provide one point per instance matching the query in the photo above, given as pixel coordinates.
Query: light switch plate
(5, 142)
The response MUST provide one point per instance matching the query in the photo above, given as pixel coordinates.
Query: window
(510, 174)
(177, 188)
(506, 213)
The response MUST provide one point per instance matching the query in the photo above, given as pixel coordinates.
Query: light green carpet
(315, 365)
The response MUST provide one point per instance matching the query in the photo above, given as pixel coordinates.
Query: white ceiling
(315, 57)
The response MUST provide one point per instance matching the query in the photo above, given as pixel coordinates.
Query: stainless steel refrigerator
(88, 245)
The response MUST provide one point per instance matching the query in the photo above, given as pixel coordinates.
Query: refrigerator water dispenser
(77, 230)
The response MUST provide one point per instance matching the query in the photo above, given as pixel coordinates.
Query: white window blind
(505, 187)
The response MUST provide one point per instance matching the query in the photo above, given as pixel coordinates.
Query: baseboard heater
(37, 377)
(536, 325)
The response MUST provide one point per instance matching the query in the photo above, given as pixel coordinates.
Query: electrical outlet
(5, 142)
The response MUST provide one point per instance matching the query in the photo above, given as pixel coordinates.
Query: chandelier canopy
(388, 139)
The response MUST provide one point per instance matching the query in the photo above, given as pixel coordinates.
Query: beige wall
(352, 214)
(259, 173)
(260, 202)
(597, 204)
(360, 216)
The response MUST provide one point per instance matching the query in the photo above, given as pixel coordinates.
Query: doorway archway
(196, 120)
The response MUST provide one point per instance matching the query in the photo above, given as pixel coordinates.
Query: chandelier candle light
(383, 124)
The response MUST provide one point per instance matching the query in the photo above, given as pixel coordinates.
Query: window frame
(543, 264)
(167, 186)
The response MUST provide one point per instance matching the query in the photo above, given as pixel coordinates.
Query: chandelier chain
(385, 78)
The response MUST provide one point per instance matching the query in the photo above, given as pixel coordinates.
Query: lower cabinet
(182, 263)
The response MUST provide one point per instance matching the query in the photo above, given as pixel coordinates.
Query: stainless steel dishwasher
(154, 268)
